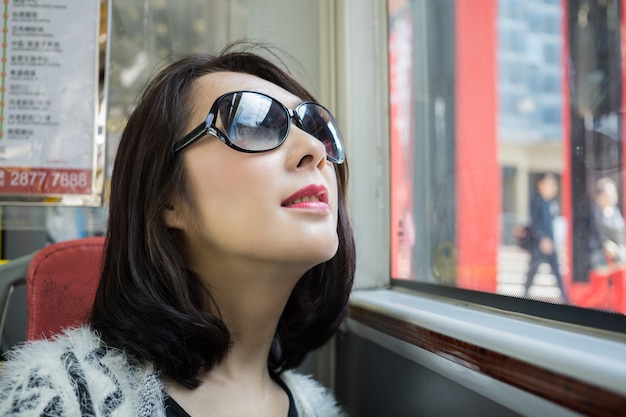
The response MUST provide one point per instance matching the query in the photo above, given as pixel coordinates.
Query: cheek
(217, 174)
(331, 179)
(229, 197)
(225, 197)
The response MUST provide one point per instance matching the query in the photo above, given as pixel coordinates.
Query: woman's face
(607, 197)
(243, 211)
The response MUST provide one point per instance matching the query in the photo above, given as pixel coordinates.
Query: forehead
(210, 86)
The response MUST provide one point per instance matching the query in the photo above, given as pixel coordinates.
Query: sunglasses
(255, 122)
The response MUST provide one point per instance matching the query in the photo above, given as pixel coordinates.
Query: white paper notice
(48, 99)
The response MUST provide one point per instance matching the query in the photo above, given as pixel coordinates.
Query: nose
(307, 150)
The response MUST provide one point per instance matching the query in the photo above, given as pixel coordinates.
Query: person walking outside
(543, 249)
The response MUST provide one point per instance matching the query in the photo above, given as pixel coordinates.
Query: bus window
(506, 148)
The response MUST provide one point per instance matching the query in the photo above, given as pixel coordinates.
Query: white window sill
(593, 357)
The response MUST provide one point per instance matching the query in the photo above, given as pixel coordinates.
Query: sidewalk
(512, 267)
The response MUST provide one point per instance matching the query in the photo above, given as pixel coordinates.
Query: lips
(308, 196)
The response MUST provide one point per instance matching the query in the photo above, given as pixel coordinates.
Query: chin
(315, 255)
(329, 252)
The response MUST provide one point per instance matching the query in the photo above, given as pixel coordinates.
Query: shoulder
(311, 398)
(537, 199)
(73, 374)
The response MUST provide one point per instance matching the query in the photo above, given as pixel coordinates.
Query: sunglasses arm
(190, 138)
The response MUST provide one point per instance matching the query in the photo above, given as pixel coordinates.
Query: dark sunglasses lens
(252, 121)
(319, 123)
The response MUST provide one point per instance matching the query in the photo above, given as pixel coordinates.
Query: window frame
(363, 108)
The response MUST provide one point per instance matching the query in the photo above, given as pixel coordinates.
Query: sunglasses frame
(208, 127)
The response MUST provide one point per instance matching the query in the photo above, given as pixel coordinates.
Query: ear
(173, 216)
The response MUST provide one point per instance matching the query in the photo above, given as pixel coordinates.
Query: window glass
(146, 35)
(506, 148)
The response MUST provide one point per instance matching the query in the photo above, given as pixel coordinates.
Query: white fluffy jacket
(75, 375)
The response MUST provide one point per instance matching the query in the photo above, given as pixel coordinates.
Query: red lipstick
(310, 197)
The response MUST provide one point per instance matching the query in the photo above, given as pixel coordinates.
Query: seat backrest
(13, 302)
(61, 282)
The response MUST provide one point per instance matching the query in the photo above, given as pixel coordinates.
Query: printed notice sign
(48, 88)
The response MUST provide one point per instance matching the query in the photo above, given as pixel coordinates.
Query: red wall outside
(477, 170)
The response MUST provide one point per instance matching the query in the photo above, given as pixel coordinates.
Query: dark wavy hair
(148, 302)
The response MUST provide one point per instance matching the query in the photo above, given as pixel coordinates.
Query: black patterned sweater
(75, 375)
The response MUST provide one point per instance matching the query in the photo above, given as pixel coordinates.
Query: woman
(229, 256)
(607, 227)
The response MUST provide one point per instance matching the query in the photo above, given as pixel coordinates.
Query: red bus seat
(61, 282)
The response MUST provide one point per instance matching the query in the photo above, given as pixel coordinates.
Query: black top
(173, 409)
(542, 214)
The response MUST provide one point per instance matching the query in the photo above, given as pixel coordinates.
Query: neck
(251, 301)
